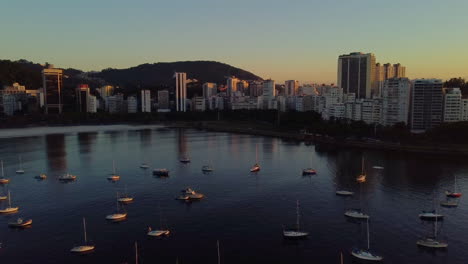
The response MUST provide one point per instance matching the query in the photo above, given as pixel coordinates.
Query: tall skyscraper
(209, 89)
(356, 73)
(255, 88)
(395, 101)
(146, 101)
(181, 91)
(231, 85)
(291, 87)
(426, 104)
(52, 81)
(82, 98)
(399, 71)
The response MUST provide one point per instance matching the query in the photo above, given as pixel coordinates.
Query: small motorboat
(255, 168)
(161, 172)
(184, 159)
(365, 255)
(158, 233)
(144, 166)
(430, 215)
(354, 213)
(207, 168)
(188, 191)
(67, 177)
(20, 222)
(41, 176)
(453, 194)
(344, 193)
(309, 171)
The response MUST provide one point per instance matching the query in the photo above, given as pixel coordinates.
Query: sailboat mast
(256, 154)
(362, 165)
(9, 199)
(20, 165)
(3, 174)
(113, 167)
(297, 215)
(136, 253)
(84, 230)
(219, 257)
(368, 237)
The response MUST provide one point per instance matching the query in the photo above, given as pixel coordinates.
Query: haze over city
(274, 39)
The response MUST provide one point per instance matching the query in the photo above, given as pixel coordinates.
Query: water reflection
(56, 152)
(86, 141)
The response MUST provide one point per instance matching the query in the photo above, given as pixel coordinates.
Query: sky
(282, 40)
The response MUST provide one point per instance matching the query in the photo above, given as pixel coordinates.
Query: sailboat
(3, 197)
(432, 242)
(3, 180)
(430, 215)
(207, 168)
(255, 167)
(117, 216)
(309, 171)
(9, 209)
(449, 203)
(161, 231)
(86, 247)
(20, 223)
(357, 213)
(144, 165)
(185, 159)
(344, 193)
(362, 176)
(366, 254)
(20, 169)
(113, 176)
(125, 198)
(296, 233)
(454, 194)
(67, 177)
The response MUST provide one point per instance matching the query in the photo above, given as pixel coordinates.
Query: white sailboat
(20, 169)
(20, 223)
(9, 209)
(3, 180)
(67, 177)
(161, 231)
(124, 198)
(113, 176)
(297, 232)
(432, 242)
(357, 213)
(86, 247)
(144, 165)
(362, 176)
(344, 193)
(366, 254)
(431, 215)
(117, 216)
(256, 167)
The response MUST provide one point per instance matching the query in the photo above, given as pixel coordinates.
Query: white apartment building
(291, 87)
(231, 85)
(146, 101)
(181, 91)
(198, 104)
(395, 101)
(132, 104)
(452, 106)
(92, 104)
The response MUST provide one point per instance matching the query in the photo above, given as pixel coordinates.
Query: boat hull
(344, 193)
(125, 200)
(366, 255)
(431, 243)
(431, 217)
(356, 215)
(159, 233)
(4, 181)
(9, 210)
(292, 234)
(116, 217)
(20, 172)
(20, 225)
(453, 194)
(82, 249)
(161, 173)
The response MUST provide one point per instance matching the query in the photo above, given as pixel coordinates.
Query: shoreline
(320, 141)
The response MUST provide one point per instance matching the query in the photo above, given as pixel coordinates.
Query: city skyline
(299, 41)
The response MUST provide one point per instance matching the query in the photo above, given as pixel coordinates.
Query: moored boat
(354, 213)
(430, 215)
(67, 177)
(20, 222)
(344, 193)
(296, 232)
(161, 172)
(86, 247)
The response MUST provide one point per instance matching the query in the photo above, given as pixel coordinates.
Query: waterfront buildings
(395, 101)
(426, 104)
(146, 101)
(181, 91)
(453, 107)
(82, 98)
(132, 104)
(231, 85)
(163, 101)
(52, 81)
(209, 89)
(356, 73)
(291, 87)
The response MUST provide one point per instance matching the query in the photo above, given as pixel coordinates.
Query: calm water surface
(244, 211)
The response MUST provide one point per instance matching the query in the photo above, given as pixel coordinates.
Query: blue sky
(278, 39)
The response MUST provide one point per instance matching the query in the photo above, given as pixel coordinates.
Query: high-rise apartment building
(132, 104)
(106, 90)
(269, 91)
(231, 85)
(291, 87)
(426, 104)
(356, 73)
(181, 91)
(395, 101)
(163, 101)
(52, 81)
(209, 89)
(452, 105)
(146, 101)
(256, 88)
(82, 97)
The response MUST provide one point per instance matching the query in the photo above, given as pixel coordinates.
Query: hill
(162, 73)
